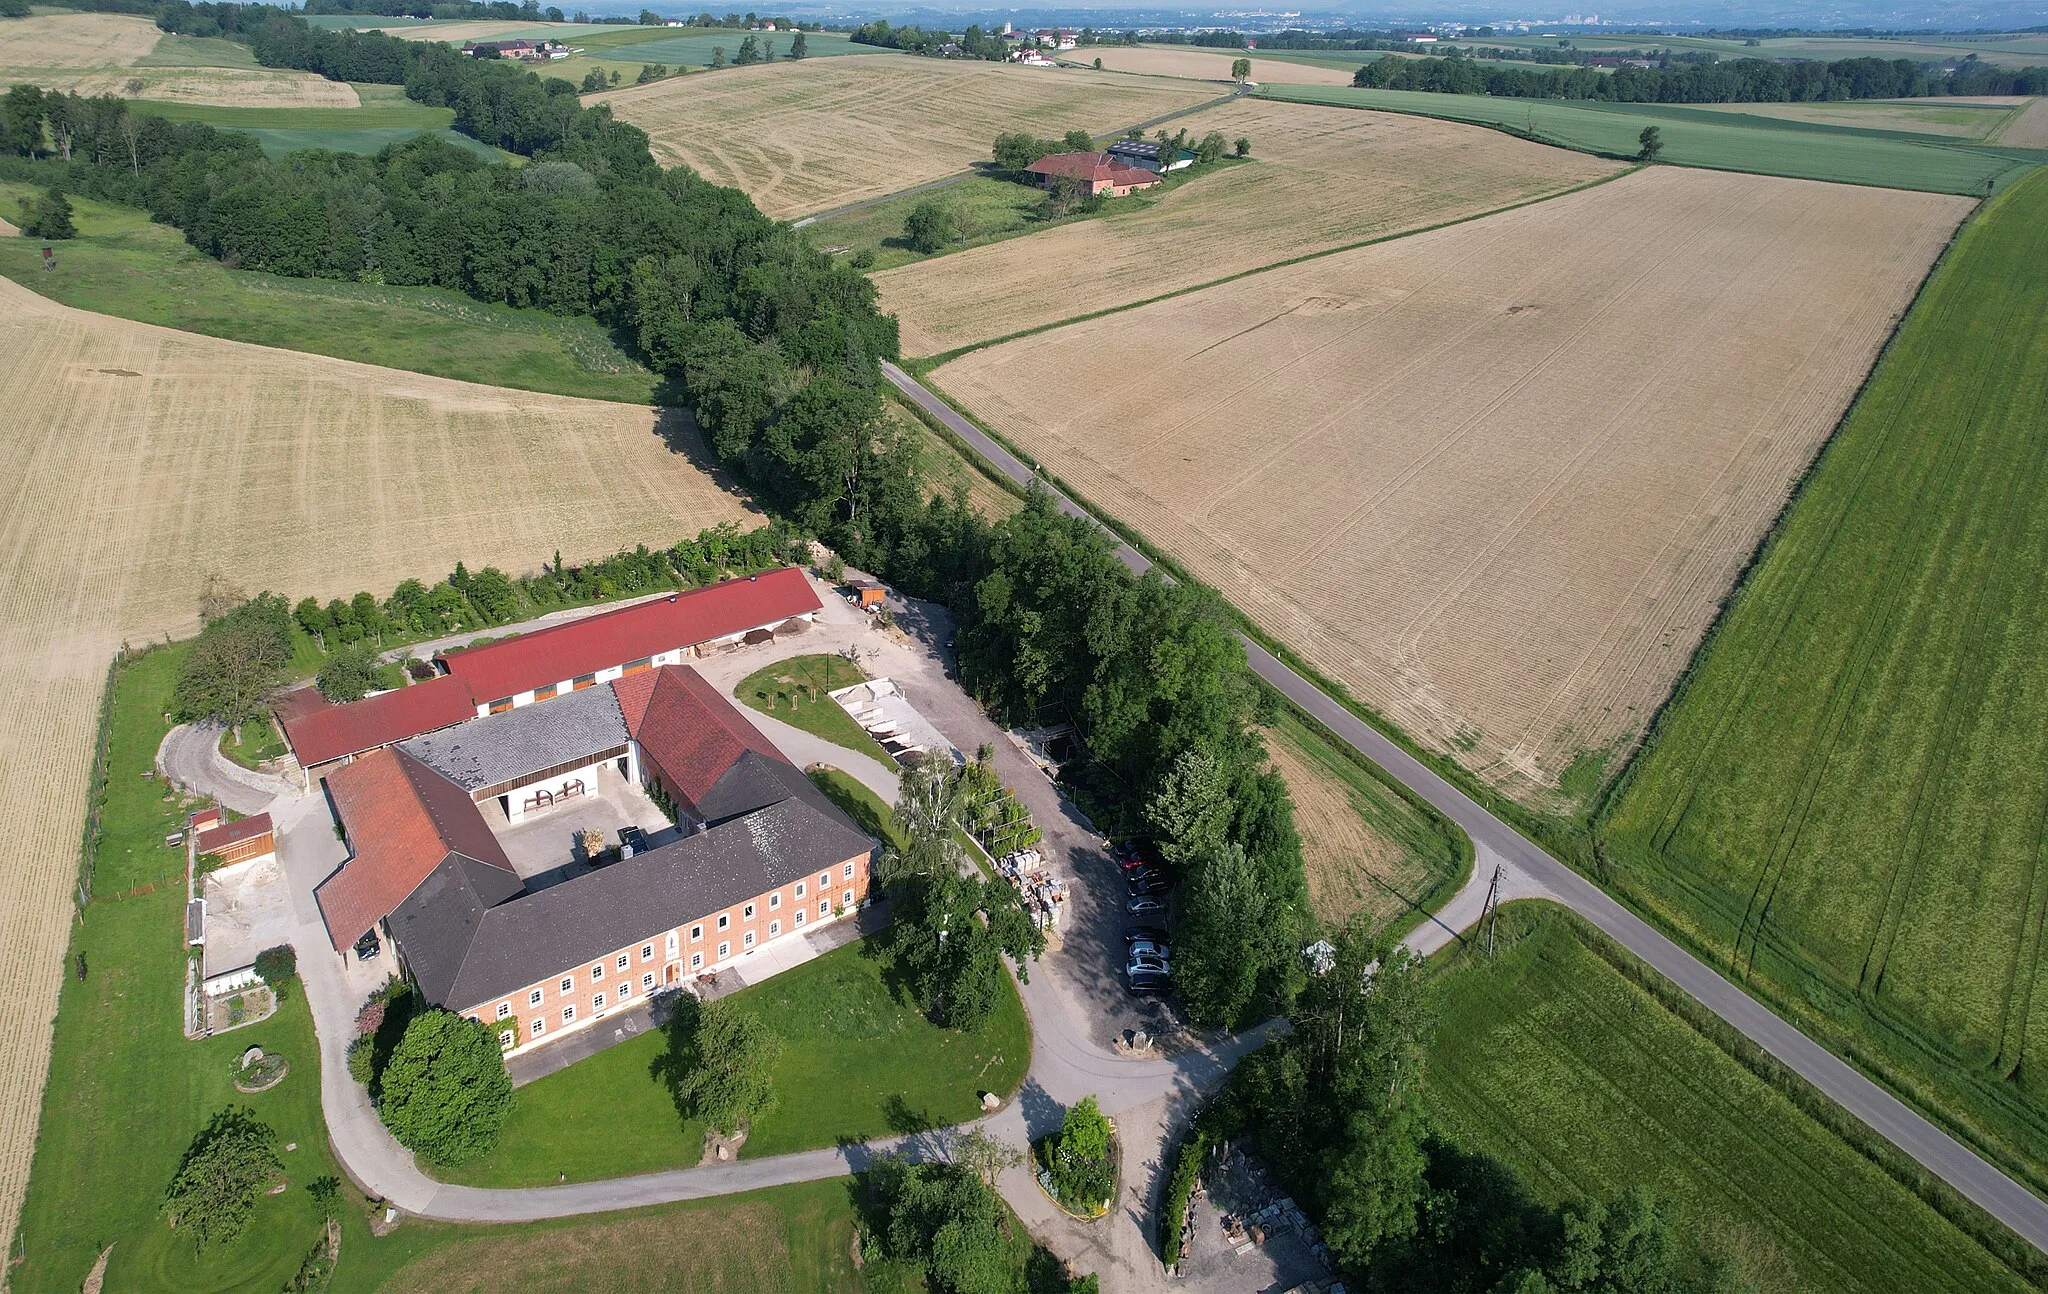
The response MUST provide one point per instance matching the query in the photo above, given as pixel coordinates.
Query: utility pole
(1489, 916)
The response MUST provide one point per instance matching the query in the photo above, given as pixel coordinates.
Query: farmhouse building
(1138, 153)
(526, 51)
(1098, 173)
(757, 854)
(551, 662)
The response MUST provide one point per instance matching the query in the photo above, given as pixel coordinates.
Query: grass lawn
(858, 1063)
(260, 741)
(405, 114)
(1695, 137)
(794, 691)
(1843, 801)
(1550, 1058)
(862, 805)
(127, 1091)
(789, 1238)
(123, 265)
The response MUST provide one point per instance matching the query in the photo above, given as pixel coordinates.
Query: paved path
(190, 757)
(1529, 871)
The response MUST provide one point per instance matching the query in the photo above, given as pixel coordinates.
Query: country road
(1529, 870)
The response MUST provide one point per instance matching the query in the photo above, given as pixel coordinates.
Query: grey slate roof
(755, 781)
(504, 747)
(463, 961)
(436, 926)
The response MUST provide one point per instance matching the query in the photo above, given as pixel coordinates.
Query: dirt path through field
(1493, 478)
(143, 459)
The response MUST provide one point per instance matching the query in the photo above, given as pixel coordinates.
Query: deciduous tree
(445, 1093)
(730, 1079)
(930, 226)
(227, 1166)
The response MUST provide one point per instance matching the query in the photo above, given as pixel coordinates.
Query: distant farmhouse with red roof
(1098, 173)
(551, 662)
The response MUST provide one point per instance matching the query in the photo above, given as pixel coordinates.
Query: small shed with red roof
(1098, 173)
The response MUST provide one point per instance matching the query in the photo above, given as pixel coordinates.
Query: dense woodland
(1742, 80)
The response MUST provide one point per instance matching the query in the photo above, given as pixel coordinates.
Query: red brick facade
(671, 958)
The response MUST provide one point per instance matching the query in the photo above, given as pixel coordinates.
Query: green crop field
(1550, 1058)
(1844, 801)
(123, 265)
(413, 117)
(1695, 137)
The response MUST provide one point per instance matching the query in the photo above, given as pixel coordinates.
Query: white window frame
(671, 943)
(775, 902)
(799, 918)
(824, 880)
(847, 871)
(824, 907)
(747, 939)
(725, 921)
(848, 900)
(625, 990)
(597, 1003)
(568, 984)
(724, 951)
(533, 998)
(697, 934)
(748, 913)
(540, 1026)
(624, 960)
(647, 982)
(647, 952)
(774, 929)
(504, 1009)
(799, 889)
(696, 961)
(569, 1013)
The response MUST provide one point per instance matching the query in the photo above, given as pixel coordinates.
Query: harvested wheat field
(97, 54)
(2030, 128)
(1321, 178)
(145, 459)
(1205, 66)
(806, 137)
(1492, 478)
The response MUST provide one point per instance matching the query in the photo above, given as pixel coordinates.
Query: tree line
(1743, 80)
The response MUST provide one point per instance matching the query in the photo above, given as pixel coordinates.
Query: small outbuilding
(1099, 173)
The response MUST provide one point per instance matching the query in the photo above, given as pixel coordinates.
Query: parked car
(1151, 948)
(1155, 934)
(1148, 883)
(1145, 905)
(1130, 855)
(1148, 982)
(368, 946)
(632, 840)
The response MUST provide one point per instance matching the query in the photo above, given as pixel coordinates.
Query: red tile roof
(1091, 168)
(329, 732)
(566, 652)
(402, 819)
(687, 728)
(233, 833)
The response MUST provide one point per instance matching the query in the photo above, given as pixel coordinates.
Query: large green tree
(445, 1093)
(225, 1169)
(730, 1075)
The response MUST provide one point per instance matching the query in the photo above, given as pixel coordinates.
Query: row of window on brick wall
(622, 962)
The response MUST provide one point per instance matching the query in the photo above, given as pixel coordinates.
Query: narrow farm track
(1497, 843)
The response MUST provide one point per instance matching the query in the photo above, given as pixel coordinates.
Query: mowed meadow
(144, 460)
(1553, 1058)
(1493, 478)
(802, 137)
(1320, 178)
(1845, 802)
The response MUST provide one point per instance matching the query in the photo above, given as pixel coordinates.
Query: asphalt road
(1493, 840)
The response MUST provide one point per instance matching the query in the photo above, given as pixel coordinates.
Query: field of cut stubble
(803, 137)
(1845, 802)
(1322, 178)
(1492, 478)
(145, 459)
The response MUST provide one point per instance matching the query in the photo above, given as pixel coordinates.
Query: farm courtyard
(169, 457)
(1493, 478)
